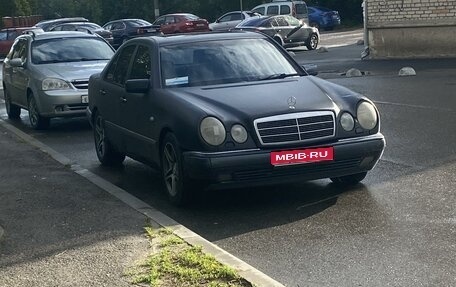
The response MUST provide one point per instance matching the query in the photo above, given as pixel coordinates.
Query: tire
(349, 179)
(313, 42)
(37, 121)
(315, 24)
(176, 184)
(13, 111)
(106, 153)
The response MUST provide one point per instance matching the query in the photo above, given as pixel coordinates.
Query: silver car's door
(19, 76)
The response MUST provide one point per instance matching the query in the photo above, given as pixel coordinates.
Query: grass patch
(175, 263)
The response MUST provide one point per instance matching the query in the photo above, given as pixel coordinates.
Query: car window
(237, 16)
(292, 21)
(118, 26)
(108, 27)
(191, 17)
(220, 62)
(3, 35)
(281, 21)
(260, 10)
(169, 20)
(20, 50)
(119, 74)
(273, 10)
(225, 18)
(71, 49)
(301, 9)
(141, 67)
(285, 10)
(160, 21)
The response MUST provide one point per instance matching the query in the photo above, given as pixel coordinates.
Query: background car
(230, 20)
(297, 9)
(125, 29)
(320, 17)
(48, 74)
(210, 111)
(83, 27)
(7, 37)
(46, 25)
(181, 23)
(286, 30)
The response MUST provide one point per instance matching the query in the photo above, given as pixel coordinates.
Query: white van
(297, 9)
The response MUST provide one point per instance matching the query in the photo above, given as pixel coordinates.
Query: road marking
(245, 270)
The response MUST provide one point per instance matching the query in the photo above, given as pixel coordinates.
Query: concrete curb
(245, 270)
(2, 232)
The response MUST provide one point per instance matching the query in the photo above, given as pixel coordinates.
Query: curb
(245, 270)
(2, 232)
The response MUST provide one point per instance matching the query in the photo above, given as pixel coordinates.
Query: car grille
(81, 84)
(295, 128)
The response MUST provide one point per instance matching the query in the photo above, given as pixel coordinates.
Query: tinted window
(118, 26)
(20, 50)
(281, 21)
(191, 17)
(219, 62)
(236, 16)
(141, 64)
(119, 74)
(3, 36)
(169, 20)
(301, 9)
(70, 50)
(273, 10)
(225, 18)
(285, 10)
(160, 21)
(138, 23)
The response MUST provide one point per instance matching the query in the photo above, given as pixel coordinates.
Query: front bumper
(253, 167)
(62, 103)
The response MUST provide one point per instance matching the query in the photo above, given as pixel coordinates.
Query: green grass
(175, 263)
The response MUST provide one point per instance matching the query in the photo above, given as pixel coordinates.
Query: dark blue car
(325, 18)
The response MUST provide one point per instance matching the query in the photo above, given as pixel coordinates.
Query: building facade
(410, 28)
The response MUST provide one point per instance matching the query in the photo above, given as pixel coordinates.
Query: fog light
(59, 108)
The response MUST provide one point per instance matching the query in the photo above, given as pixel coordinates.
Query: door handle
(102, 92)
(123, 99)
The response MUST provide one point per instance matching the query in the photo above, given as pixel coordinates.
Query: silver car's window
(61, 50)
(220, 62)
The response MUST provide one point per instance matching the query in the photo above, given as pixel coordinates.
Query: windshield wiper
(278, 76)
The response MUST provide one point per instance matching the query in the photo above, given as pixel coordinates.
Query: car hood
(73, 70)
(260, 99)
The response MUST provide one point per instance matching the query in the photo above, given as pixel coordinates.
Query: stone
(360, 42)
(407, 71)
(353, 73)
(322, 50)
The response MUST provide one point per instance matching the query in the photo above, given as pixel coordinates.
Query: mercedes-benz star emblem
(292, 103)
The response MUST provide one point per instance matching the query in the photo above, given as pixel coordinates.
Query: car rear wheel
(176, 183)
(37, 121)
(349, 179)
(313, 42)
(13, 111)
(106, 153)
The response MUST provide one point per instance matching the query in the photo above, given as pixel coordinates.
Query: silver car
(230, 20)
(48, 74)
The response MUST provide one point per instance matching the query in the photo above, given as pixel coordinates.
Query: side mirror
(311, 69)
(140, 86)
(16, 62)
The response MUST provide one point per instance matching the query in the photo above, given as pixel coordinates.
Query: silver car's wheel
(313, 42)
(175, 182)
(13, 111)
(106, 153)
(37, 121)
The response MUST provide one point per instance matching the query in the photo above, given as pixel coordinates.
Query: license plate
(199, 25)
(151, 30)
(85, 99)
(289, 157)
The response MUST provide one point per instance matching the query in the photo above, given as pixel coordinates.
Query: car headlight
(367, 115)
(239, 133)
(212, 131)
(54, 84)
(347, 122)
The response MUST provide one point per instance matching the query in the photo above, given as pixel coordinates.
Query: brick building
(411, 28)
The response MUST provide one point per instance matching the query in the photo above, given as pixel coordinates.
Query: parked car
(181, 23)
(325, 18)
(48, 74)
(210, 110)
(46, 25)
(229, 20)
(125, 29)
(286, 30)
(8, 35)
(84, 27)
(297, 9)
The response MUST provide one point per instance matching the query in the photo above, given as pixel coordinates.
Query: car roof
(19, 28)
(59, 34)
(76, 23)
(79, 19)
(199, 37)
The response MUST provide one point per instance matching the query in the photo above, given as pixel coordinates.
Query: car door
(18, 76)
(118, 32)
(138, 110)
(282, 27)
(297, 33)
(111, 95)
(170, 25)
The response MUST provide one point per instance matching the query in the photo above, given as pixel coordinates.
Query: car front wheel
(13, 111)
(37, 121)
(349, 179)
(313, 42)
(176, 184)
(106, 153)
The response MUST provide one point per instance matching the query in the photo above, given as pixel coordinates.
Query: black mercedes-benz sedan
(224, 110)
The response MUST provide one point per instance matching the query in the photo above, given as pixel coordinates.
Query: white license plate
(151, 30)
(199, 25)
(85, 99)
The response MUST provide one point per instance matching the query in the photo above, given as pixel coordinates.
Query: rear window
(62, 50)
(301, 9)
(191, 17)
(139, 22)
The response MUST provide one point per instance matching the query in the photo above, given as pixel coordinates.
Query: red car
(181, 23)
(7, 37)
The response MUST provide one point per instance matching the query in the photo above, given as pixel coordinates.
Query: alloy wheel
(170, 169)
(99, 136)
(33, 112)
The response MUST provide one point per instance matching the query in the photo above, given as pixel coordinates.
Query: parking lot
(395, 229)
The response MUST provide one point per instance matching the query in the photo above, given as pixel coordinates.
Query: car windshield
(222, 62)
(61, 50)
(253, 21)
